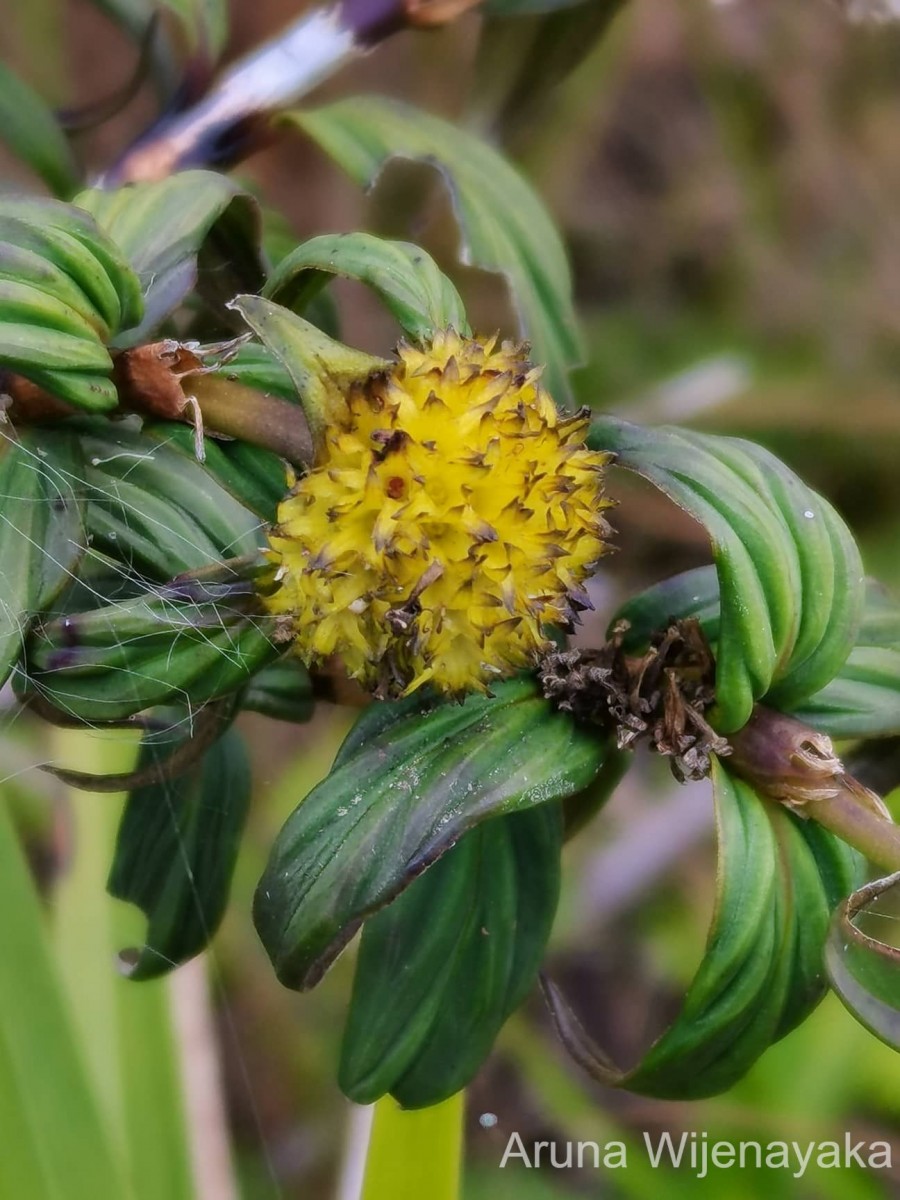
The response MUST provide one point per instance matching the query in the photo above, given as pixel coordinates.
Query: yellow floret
(452, 518)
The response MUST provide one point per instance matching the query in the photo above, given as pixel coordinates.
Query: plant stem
(795, 765)
(251, 416)
(860, 826)
(415, 1153)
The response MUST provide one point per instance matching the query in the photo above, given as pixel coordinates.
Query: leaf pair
(446, 955)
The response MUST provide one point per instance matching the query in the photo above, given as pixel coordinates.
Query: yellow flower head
(452, 517)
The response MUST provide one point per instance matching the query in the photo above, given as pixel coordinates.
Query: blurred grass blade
(135, 18)
(425, 1010)
(125, 1032)
(863, 971)
(415, 1154)
(56, 1144)
(504, 224)
(175, 853)
(411, 778)
(790, 576)
(420, 297)
(31, 131)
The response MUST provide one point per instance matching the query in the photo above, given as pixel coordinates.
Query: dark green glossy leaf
(863, 971)
(176, 850)
(442, 967)
(420, 297)
(187, 642)
(505, 226)
(41, 533)
(196, 228)
(283, 691)
(409, 781)
(29, 128)
(779, 879)
(790, 575)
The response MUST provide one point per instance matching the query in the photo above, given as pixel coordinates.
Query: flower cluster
(451, 519)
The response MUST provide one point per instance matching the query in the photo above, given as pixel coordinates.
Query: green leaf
(31, 131)
(64, 291)
(421, 298)
(69, 238)
(690, 594)
(409, 781)
(528, 48)
(505, 226)
(790, 575)
(55, 1143)
(156, 510)
(863, 699)
(256, 478)
(779, 879)
(191, 641)
(194, 229)
(256, 367)
(41, 533)
(320, 368)
(176, 850)
(864, 971)
(425, 1010)
(283, 691)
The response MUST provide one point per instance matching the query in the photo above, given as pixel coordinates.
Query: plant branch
(797, 766)
(231, 122)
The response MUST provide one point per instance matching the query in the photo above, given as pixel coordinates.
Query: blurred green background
(727, 177)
